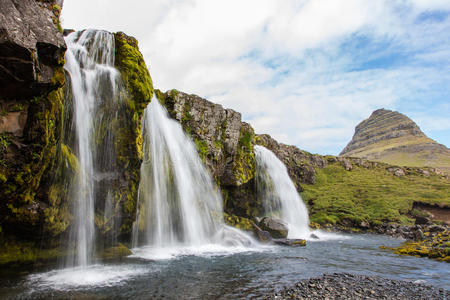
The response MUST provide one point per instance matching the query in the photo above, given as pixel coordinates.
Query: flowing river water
(228, 273)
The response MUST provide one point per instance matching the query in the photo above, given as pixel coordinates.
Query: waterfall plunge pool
(214, 272)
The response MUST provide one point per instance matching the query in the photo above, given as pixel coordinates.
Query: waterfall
(178, 205)
(95, 85)
(279, 195)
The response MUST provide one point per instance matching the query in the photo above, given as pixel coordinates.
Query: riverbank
(349, 286)
(422, 240)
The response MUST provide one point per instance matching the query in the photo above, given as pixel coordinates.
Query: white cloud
(282, 63)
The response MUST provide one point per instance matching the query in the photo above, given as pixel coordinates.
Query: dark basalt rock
(275, 227)
(262, 235)
(30, 47)
(266, 237)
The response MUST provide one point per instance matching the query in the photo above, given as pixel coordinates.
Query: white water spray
(94, 83)
(279, 195)
(179, 205)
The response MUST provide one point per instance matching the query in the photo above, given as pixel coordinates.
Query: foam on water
(327, 236)
(85, 277)
(227, 241)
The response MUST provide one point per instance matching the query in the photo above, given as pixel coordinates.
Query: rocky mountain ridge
(392, 137)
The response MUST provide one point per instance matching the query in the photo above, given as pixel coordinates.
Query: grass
(372, 195)
(426, 157)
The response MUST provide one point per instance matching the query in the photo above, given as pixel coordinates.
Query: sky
(304, 71)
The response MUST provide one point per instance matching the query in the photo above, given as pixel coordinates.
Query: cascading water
(95, 85)
(279, 195)
(178, 203)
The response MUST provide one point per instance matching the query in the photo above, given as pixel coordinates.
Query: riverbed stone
(350, 286)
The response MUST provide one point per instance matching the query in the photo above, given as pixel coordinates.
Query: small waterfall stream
(279, 195)
(179, 205)
(95, 85)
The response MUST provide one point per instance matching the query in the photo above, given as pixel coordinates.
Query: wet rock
(313, 236)
(262, 235)
(290, 242)
(277, 228)
(114, 252)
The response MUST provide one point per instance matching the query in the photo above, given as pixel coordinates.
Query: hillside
(391, 137)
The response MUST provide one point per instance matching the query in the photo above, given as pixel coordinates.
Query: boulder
(262, 235)
(276, 227)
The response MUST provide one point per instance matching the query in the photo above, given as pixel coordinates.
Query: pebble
(350, 286)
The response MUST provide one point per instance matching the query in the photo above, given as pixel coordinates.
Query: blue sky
(306, 72)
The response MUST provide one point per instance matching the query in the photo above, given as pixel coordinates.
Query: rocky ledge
(349, 286)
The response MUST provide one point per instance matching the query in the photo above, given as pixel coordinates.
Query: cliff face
(224, 143)
(394, 138)
(300, 164)
(31, 103)
(36, 140)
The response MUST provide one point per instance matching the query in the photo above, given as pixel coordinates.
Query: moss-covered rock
(224, 143)
(435, 246)
(238, 222)
(114, 252)
(128, 129)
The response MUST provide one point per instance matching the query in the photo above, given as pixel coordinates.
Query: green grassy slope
(371, 194)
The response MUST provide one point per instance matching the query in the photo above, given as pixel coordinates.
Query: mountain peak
(392, 137)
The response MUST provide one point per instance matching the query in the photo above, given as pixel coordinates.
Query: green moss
(433, 247)
(244, 160)
(69, 158)
(28, 171)
(128, 131)
(186, 114)
(14, 252)
(17, 107)
(369, 194)
(238, 222)
(114, 252)
(133, 69)
(202, 148)
(5, 141)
